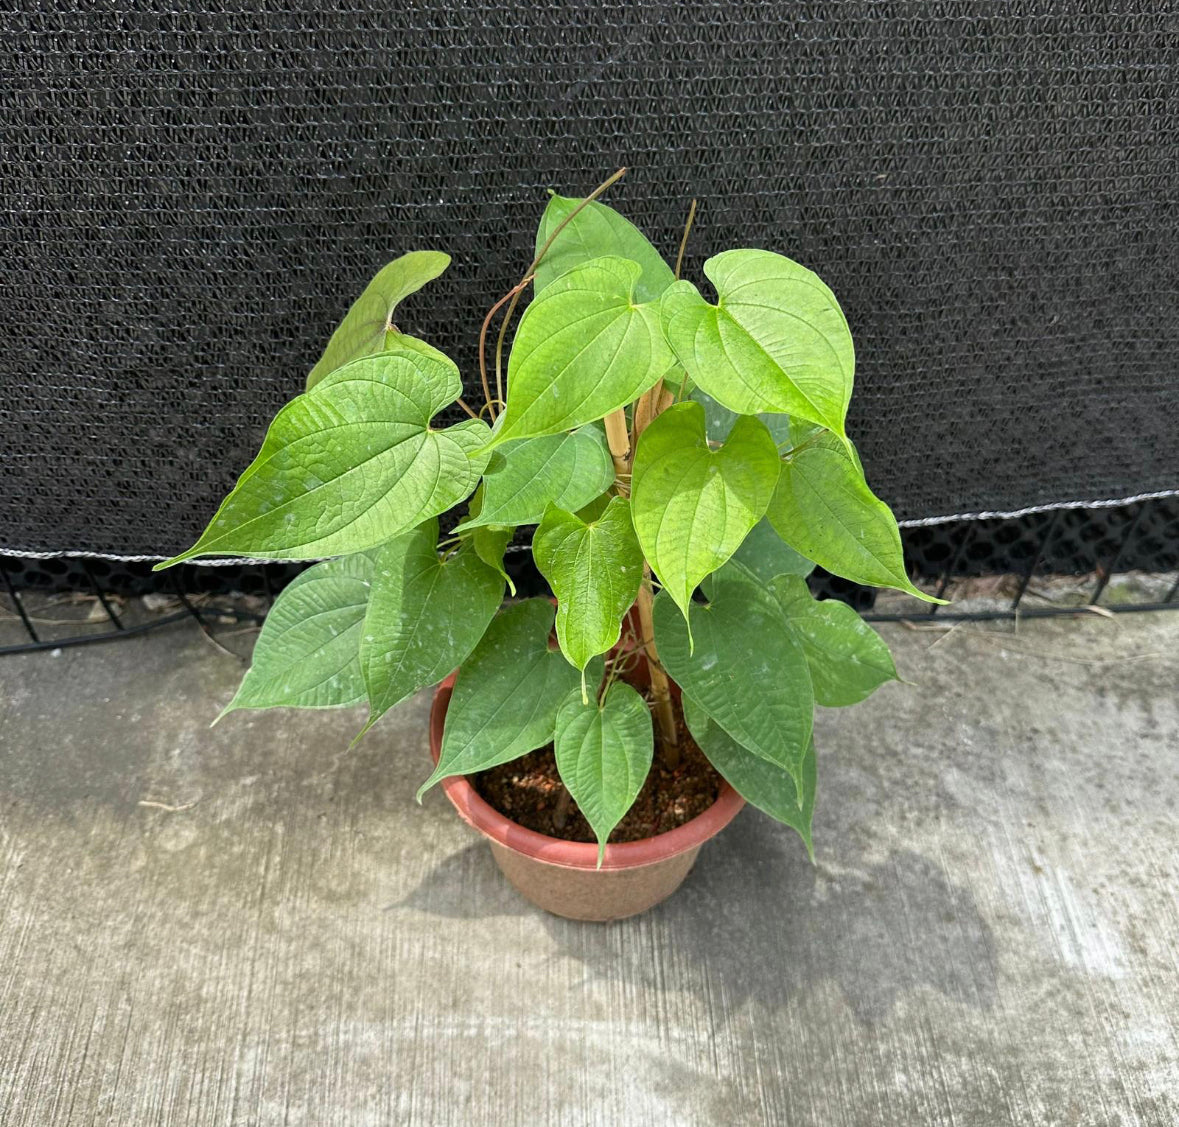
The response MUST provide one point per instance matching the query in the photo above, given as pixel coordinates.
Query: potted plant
(685, 463)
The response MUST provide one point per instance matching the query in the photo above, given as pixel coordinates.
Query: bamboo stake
(660, 687)
(618, 441)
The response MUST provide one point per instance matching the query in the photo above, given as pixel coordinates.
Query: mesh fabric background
(192, 198)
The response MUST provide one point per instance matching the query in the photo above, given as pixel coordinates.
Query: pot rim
(476, 812)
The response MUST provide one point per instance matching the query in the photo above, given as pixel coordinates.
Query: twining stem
(679, 258)
(464, 406)
(487, 400)
(660, 687)
(514, 294)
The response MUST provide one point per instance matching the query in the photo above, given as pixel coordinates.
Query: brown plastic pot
(562, 877)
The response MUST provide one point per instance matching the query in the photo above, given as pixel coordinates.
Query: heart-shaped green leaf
(508, 691)
(308, 653)
(825, 511)
(693, 506)
(768, 787)
(597, 230)
(848, 659)
(523, 478)
(748, 670)
(775, 341)
(595, 570)
(425, 615)
(351, 464)
(583, 349)
(367, 327)
(604, 751)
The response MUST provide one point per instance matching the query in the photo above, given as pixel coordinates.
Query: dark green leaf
(425, 615)
(367, 327)
(769, 788)
(747, 670)
(507, 694)
(848, 659)
(766, 554)
(308, 653)
(604, 751)
(489, 543)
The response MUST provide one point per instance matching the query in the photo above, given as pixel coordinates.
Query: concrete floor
(990, 935)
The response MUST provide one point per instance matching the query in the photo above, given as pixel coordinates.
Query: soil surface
(529, 791)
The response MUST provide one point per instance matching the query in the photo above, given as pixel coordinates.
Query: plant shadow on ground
(756, 917)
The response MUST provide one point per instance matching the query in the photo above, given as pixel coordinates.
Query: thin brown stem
(515, 293)
(487, 399)
(679, 258)
(462, 403)
(605, 185)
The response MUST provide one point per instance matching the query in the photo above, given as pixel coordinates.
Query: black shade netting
(193, 195)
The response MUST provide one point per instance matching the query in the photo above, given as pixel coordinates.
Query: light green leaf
(308, 653)
(595, 231)
(769, 788)
(523, 478)
(425, 615)
(719, 420)
(693, 506)
(766, 554)
(507, 694)
(825, 511)
(775, 341)
(595, 570)
(351, 464)
(583, 349)
(604, 751)
(748, 670)
(848, 659)
(368, 326)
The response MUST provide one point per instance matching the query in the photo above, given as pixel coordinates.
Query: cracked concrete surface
(989, 937)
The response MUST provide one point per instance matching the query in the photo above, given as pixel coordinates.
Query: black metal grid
(1098, 543)
(195, 192)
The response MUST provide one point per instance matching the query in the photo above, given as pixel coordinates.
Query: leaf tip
(425, 787)
(363, 731)
(221, 715)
